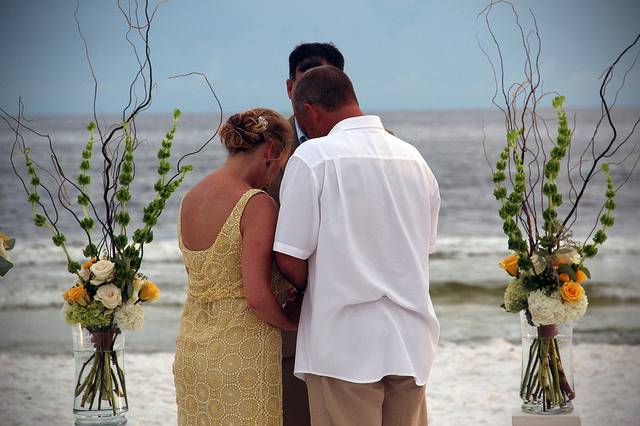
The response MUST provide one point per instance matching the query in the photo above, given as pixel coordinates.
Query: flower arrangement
(547, 265)
(109, 289)
(96, 301)
(6, 243)
(548, 268)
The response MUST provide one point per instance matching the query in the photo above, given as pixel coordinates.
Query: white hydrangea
(547, 310)
(544, 309)
(129, 317)
(575, 311)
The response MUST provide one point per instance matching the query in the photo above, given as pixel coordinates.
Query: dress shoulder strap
(180, 219)
(242, 203)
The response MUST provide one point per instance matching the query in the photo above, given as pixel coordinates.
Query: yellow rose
(564, 278)
(149, 292)
(572, 292)
(4, 239)
(510, 264)
(581, 277)
(76, 294)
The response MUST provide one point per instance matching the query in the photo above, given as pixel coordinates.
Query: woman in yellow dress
(227, 367)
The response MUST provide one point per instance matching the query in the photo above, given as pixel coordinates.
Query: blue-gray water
(466, 283)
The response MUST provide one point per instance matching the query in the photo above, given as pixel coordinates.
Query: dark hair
(247, 130)
(309, 55)
(326, 86)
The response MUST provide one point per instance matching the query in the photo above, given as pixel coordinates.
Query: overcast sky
(401, 54)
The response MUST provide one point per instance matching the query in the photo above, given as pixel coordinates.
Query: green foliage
(90, 251)
(83, 200)
(606, 219)
(58, 239)
(123, 195)
(558, 101)
(570, 270)
(5, 266)
(84, 180)
(515, 296)
(551, 226)
(121, 241)
(547, 281)
(90, 316)
(87, 223)
(163, 190)
(128, 249)
(73, 267)
(39, 220)
(589, 250)
(511, 202)
(123, 218)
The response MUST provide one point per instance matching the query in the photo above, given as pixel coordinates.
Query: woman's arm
(258, 226)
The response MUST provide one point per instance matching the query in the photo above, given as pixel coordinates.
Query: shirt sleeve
(435, 210)
(299, 215)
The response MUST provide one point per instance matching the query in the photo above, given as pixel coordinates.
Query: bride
(227, 367)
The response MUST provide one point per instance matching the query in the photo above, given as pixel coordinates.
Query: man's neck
(347, 111)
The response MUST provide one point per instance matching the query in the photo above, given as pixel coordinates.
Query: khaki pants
(393, 401)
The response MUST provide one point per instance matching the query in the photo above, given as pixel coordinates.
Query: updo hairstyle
(245, 131)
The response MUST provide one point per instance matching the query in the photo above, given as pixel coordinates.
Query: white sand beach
(470, 384)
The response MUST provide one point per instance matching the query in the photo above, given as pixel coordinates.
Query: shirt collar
(301, 136)
(361, 122)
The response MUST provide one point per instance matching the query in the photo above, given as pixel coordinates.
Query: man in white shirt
(303, 57)
(357, 222)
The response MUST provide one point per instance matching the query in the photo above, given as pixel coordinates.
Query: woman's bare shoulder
(261, 210)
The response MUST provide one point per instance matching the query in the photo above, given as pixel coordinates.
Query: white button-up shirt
(362, 206)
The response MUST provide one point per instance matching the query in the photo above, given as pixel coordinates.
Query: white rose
(103, 270)
(129, 317)
(539, 264)
(84, 275)
(109, 295)
(568, 255)
(138, 282)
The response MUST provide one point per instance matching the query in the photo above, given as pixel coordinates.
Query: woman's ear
(270, 151)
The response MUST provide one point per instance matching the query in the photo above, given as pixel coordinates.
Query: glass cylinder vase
(546, 385)
(100, 389)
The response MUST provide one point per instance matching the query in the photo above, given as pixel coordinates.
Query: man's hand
(293, 305)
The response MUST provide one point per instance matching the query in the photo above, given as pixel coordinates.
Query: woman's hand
(293, 305)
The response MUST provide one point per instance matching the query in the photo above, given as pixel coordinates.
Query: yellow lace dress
(227, 367)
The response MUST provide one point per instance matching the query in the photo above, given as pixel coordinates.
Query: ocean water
(466, 284)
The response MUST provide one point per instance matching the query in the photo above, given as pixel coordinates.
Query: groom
(357, 222)
(302, 58)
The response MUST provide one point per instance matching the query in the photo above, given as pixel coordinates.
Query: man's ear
(290, 88)
(309, 110)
